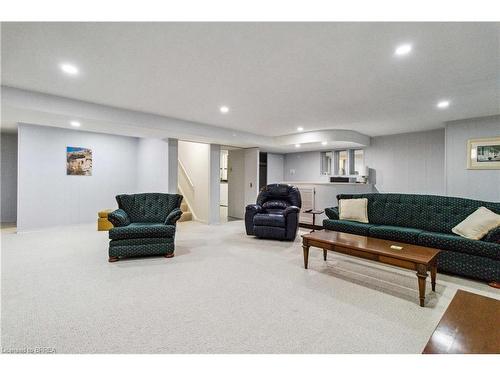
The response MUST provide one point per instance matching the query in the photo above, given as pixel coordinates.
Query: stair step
(186, 216)
(184, 207)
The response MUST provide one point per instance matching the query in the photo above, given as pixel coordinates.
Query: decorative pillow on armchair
(477, 224)
(354, 209)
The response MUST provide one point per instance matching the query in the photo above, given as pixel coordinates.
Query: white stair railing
(183, 169)
(186, 187)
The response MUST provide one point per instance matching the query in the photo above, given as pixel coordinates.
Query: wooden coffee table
(470, 325)
(419, 258)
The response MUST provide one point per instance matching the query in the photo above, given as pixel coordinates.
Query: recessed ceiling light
(403, 49)
(300, 128)
(224, 109)
(443, 104)
(76, 124)
(324, 143)
(297, 145)
(69, 69)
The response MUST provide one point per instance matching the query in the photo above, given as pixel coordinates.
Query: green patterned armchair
(427, 220)
(144, 224)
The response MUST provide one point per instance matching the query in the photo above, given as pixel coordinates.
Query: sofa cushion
(271, 220)
(456, 243)
(477, 224)
(142, 230)
(353, 227)
(140, 241)
(401, 234)
(482, 268)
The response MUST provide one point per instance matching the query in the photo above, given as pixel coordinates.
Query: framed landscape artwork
(483, 153)
(78, 161)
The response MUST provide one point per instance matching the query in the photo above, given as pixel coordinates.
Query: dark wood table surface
(419, 258)
(471, 324)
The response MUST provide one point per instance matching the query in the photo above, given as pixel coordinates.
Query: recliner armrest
(254, 207)
(332, 213)
(291, 209)
(119, 218)
(173, 216)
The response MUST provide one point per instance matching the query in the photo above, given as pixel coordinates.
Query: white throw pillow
(354, 209)
(477, 224)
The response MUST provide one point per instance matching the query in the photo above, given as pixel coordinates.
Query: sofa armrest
(493, 236)
(119, 218)
(332, 213)
(291, 209)
(173, 216)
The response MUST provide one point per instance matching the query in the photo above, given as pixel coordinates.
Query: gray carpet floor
(223, 292)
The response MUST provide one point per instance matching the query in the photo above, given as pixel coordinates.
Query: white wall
(195, 157)
(470, 183)
(152, 165)
(303, 166)
(8, 178)
(48, 197)
(407, 163)
(275, 168)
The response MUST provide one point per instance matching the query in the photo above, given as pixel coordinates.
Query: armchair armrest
(254, 208)
(119, 218)
(173, 216)
(291, 209)
(332, 212)
(250, 211)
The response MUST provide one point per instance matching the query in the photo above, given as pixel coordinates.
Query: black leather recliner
(276, 214)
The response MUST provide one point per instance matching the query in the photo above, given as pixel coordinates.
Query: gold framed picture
(483, 153)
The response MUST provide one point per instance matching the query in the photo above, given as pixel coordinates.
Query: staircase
(185, 187)
(186, 214)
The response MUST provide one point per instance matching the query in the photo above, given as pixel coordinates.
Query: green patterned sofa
(427, 220)
(144, 224)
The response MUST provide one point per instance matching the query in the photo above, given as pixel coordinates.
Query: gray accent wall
(8, 178)
(48, 197)
(408, 163)
(470, 183)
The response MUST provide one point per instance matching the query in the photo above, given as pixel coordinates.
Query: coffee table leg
(433, 276)
(324, 254)
(305, 248)
(422, 276)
